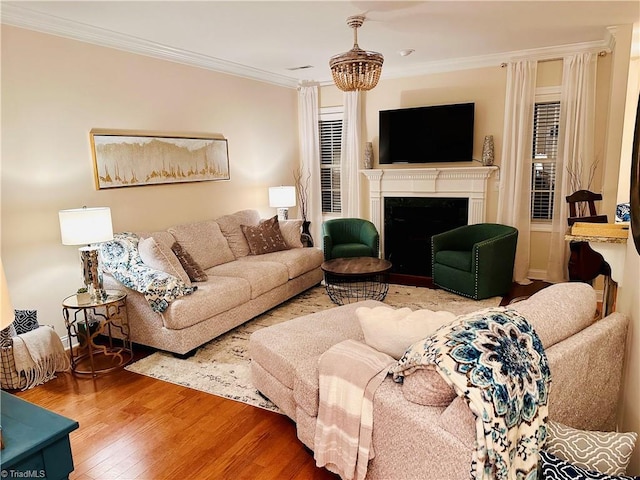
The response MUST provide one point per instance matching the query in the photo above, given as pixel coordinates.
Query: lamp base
(283, 213)
(92, 273)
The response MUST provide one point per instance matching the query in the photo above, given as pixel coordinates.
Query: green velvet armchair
(475, 261)
(350, 237)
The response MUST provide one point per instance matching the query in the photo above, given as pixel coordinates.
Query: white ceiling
(266, 39)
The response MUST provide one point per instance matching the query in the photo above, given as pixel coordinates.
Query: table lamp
(87, 226)
(282, 198)
(7, 314)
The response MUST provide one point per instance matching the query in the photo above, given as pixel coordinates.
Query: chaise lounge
(420, 432)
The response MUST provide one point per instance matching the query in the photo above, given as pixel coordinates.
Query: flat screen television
(439, 133)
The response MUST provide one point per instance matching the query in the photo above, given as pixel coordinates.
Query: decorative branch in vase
(574, 171)
(302, 182)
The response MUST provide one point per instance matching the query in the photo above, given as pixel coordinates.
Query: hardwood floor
(136, 427)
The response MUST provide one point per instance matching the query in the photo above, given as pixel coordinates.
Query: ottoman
(284, 360)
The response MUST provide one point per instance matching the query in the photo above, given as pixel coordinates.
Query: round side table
(86, 322)
(353, 279)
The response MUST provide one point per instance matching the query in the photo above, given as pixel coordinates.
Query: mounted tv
(439, 133)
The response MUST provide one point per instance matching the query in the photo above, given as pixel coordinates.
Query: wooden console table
(36, 441)
(613, 250)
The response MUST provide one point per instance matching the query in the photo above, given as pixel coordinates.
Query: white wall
(55, 90)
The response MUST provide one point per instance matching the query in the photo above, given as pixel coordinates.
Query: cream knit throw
(38, 354)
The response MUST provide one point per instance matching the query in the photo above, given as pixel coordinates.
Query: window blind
(330, 151)
(546, 123)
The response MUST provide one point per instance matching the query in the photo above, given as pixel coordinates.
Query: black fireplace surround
(409, 224)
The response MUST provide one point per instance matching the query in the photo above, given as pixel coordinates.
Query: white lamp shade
(282, 197)
(7, 313)
(83, 226)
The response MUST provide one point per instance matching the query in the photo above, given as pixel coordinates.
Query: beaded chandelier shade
(356, 69)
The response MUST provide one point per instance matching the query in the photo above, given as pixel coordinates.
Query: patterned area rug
(222, 366)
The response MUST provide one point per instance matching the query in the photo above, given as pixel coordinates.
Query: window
(330, 150)
(546, 122)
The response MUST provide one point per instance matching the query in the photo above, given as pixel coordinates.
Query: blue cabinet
(36, 441)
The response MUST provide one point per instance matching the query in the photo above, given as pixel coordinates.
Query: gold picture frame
(125, 158)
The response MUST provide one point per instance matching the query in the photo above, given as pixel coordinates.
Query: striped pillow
(605, 452)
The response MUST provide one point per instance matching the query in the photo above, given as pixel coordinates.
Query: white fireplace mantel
(449, 182)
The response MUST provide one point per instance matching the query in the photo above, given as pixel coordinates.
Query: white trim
(452, 182)
(540, 226)
(19, 16)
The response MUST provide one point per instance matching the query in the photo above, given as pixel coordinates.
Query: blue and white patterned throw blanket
(121, 259)
(495, 361)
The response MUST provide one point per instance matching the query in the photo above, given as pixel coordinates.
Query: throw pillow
(25, 321)
(392, 331)
(606, 452)
(264, 237)
(554, 468)
(6, 336)
(159, 257)
(195, 273)
(291, 231)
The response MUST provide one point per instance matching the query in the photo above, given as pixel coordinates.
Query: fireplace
(457, 189)
(409, 224)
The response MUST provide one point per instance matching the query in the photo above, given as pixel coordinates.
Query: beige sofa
(240, 284)
(415, 441)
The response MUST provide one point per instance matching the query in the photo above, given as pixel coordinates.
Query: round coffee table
(352, 279)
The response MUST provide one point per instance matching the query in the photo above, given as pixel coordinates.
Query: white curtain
(310, 156)
(350, 160)
(514, 203)
(575, 150)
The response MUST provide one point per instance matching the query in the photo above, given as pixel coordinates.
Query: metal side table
(102, 332)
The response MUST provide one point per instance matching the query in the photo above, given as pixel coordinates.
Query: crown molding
(19, 16)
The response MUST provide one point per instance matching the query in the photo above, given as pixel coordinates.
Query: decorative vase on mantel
(368, 155)
(488, 154)
(305, 237)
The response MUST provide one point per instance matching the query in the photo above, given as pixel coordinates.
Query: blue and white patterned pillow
(554, 468)
(25, 321)
(6, 335)
(623, 212)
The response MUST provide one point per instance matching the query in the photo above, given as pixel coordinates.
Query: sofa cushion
(204, 242)
(392, 331)
(559, 311)
(427, 387)
(230, 228)
(190, 266)
(454, 259)
(261, 276)
(298, 343)
(264, 237)
(164, 238)
(298, 261)
(605, 452)
(291, 231)
(160, 257)
(215, 296)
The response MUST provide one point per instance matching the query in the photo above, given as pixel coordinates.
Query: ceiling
(271, 40)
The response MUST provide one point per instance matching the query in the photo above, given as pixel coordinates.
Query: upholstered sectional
(420, 430)
(240, 283)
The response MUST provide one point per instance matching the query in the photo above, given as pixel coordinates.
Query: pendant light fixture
(356, 69)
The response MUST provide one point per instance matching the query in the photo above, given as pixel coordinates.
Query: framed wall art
(130, 159)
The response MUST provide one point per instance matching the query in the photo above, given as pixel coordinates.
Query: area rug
(222, 366)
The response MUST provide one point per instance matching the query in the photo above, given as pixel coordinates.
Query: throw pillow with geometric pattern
(26, 320)
(605, 452)
(554, 468)
(6, 334)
